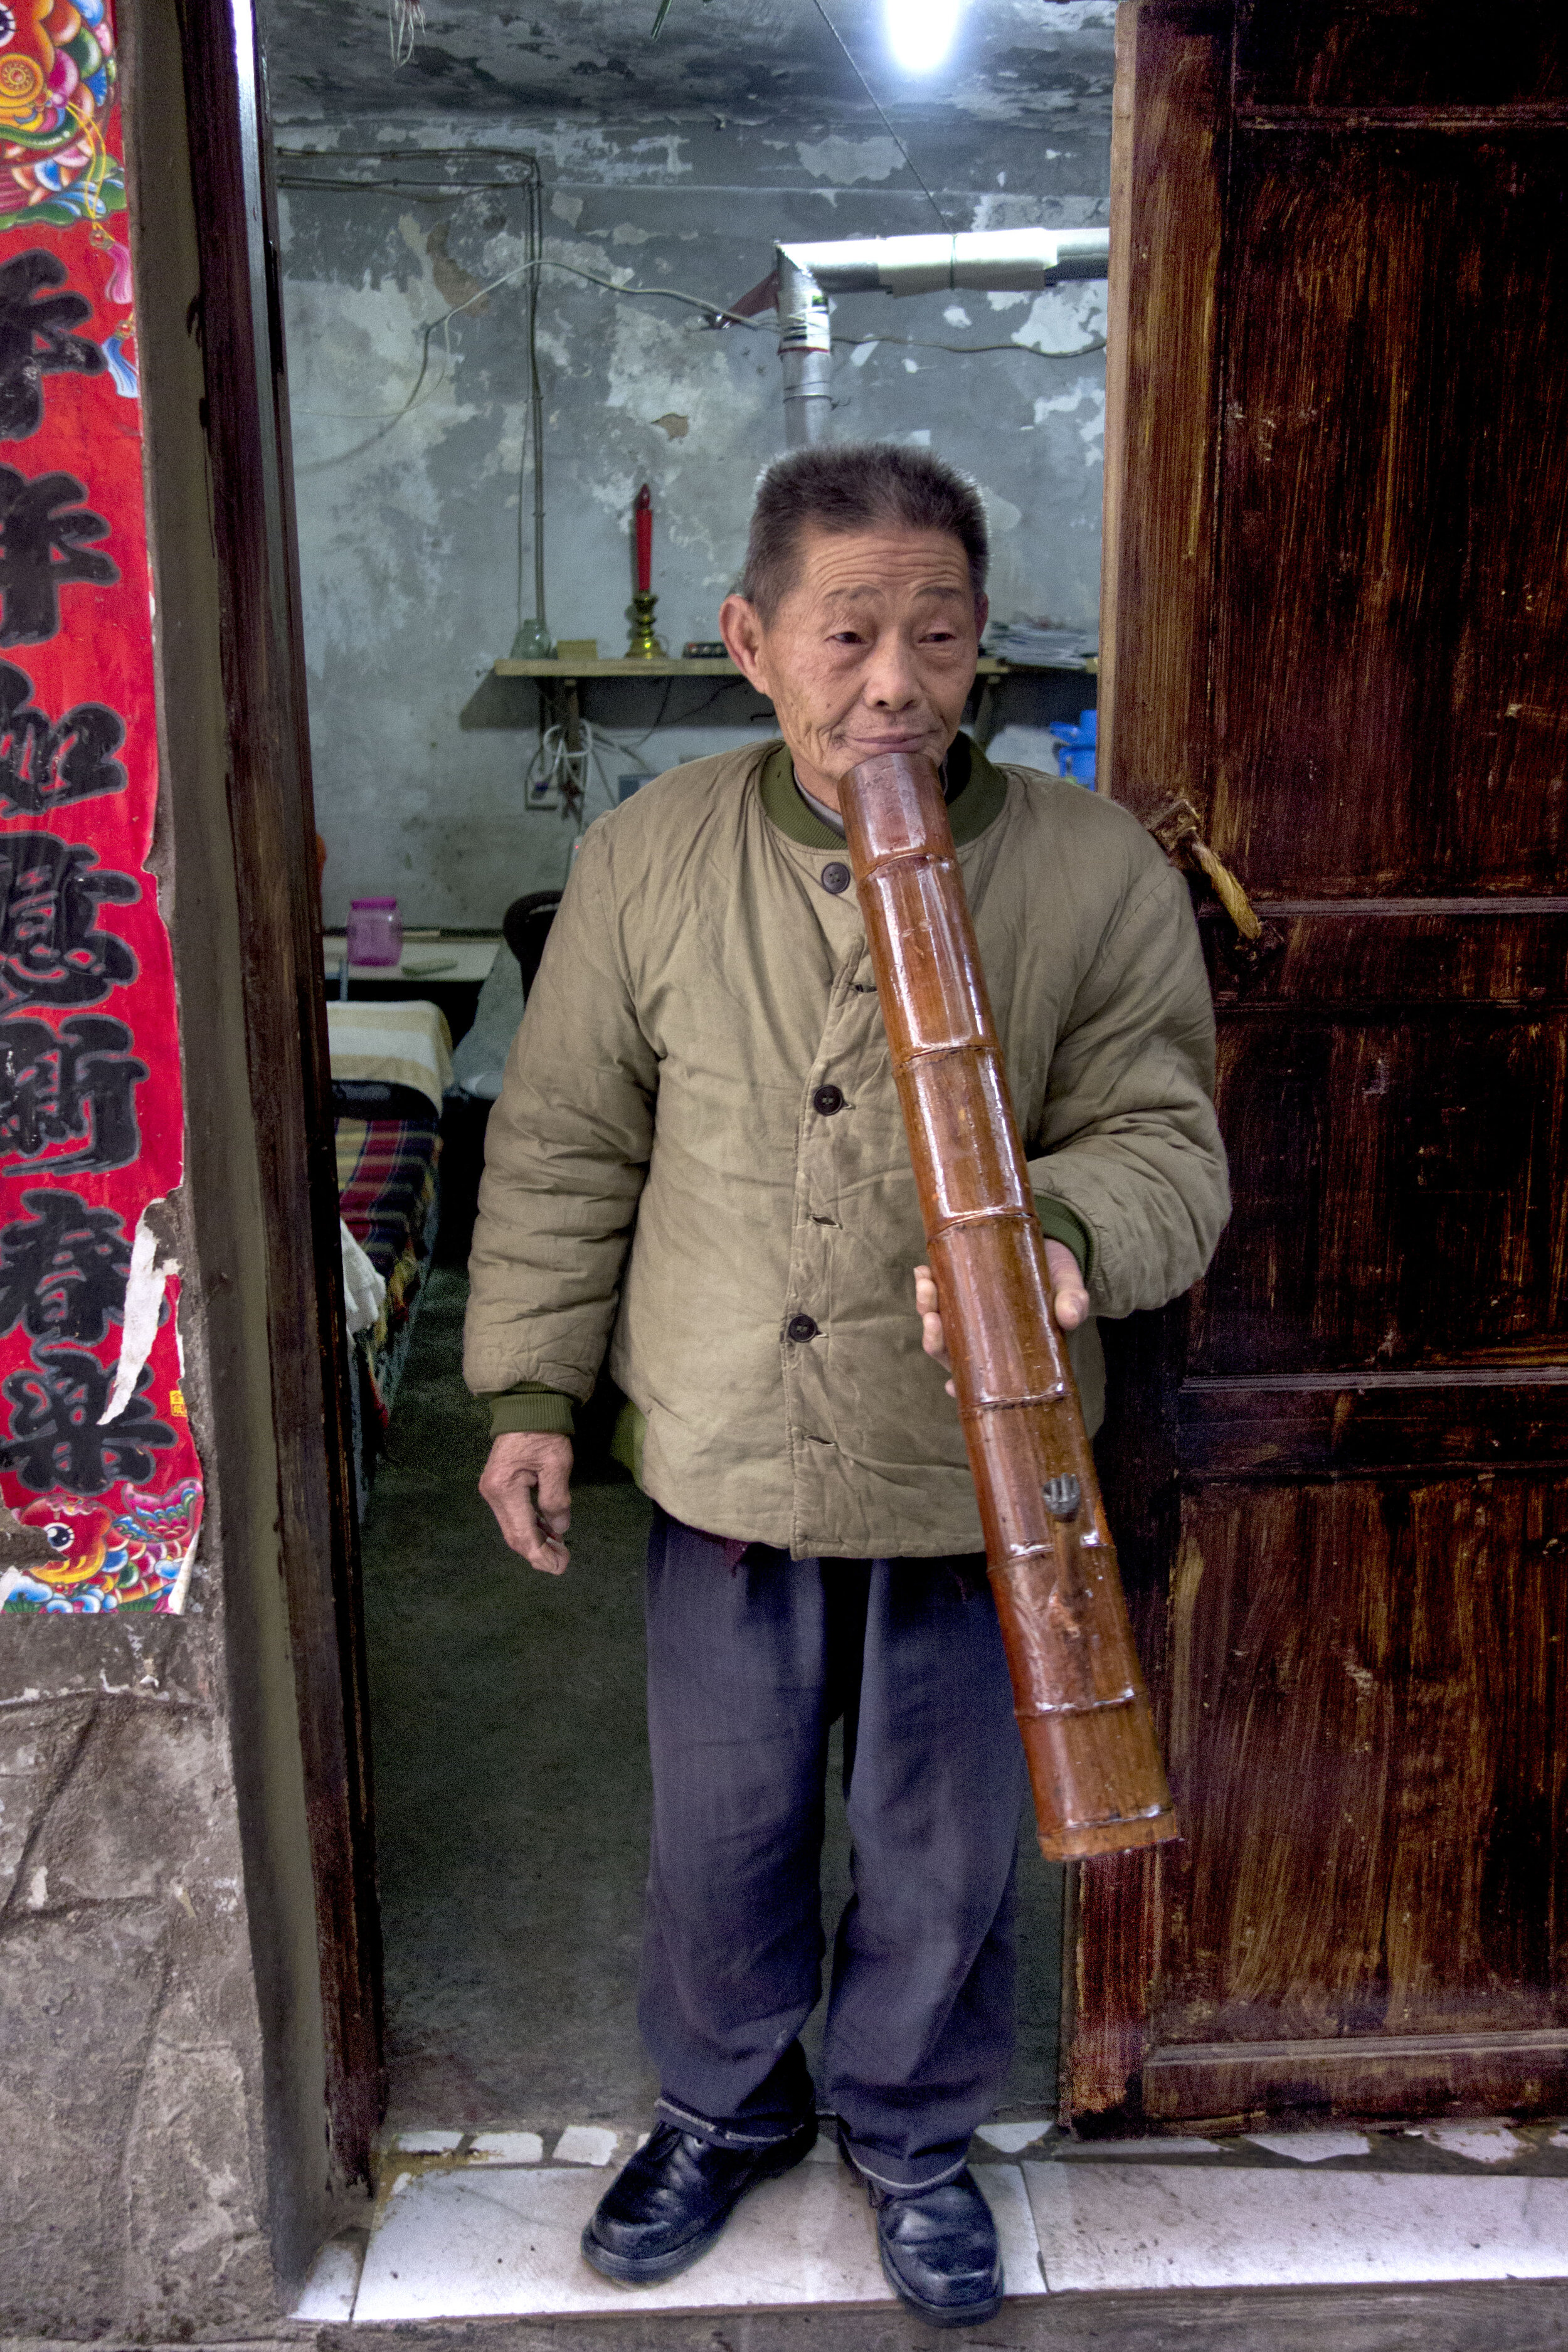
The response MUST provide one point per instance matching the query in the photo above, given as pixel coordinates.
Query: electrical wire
(660, 293)
(560, 770)
(909, 164)
(570, 774)
(405, 23)
(525, 174)
(532, 449)
(393, 183)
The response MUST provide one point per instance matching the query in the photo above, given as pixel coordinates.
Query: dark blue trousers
(748, 1669)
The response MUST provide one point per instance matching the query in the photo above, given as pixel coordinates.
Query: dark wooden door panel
(1383, 54)
(1360, 1676)
(1405, 1199)
(1365, 2076)
(1368, 1718)
(1391, 679)
(1339, 1471)
(1371, 955)
(1295, 1425)
(1173, 63)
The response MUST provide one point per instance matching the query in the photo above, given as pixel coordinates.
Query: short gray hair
(856, 486)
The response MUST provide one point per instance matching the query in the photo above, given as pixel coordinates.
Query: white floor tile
(1108, 2226)
(472, 2243)
(1002, 2186)
(1151, 2151)
(1012, 2138)
(1311, 2146)
(506, 2147)
(329, 2292)
(583, 2144)
(1481, 2143)
(428, 2143)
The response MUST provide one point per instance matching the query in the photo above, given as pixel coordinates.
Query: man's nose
(892, 680)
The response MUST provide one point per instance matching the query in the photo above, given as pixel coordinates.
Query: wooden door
(1337, 622)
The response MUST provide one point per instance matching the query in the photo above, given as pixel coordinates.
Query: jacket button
(827, 1099)
(800, 1326)
(836, 876)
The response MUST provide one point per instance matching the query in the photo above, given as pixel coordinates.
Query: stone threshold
(485, 2225)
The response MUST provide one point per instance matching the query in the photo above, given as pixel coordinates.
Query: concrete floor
(511, 1790)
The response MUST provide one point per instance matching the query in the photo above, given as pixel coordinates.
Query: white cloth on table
(404, 1043)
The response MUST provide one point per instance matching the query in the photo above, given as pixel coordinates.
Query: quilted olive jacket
(698, 1160)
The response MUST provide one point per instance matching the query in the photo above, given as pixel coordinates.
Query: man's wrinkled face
(873, 649)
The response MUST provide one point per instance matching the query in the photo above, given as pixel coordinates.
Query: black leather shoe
(939, 2252)
(669, 2204)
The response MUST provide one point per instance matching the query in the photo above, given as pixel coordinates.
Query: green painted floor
(511, 1788)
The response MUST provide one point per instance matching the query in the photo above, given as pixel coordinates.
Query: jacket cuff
(1058, 1223)
(532, 1407)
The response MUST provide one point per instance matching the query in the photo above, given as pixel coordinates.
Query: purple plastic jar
(375, 930)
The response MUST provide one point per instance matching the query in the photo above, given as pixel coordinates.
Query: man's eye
(846, 638)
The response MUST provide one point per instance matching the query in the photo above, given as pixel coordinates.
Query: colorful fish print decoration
(129, 1557)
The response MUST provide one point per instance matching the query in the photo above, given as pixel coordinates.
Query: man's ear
(981, 614)
(741, 626)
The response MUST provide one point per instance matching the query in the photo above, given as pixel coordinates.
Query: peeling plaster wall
(409, 521)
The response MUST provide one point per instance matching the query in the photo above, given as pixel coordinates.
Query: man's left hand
(1069, 1301)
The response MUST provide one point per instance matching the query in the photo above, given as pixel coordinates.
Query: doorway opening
(481, 383)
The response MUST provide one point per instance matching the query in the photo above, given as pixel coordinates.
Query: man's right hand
(527, 1484)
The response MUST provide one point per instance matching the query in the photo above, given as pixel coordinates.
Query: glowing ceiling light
(921, 32)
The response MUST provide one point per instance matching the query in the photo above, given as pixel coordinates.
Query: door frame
(271, 826)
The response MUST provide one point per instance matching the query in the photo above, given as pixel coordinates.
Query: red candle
(643, 509)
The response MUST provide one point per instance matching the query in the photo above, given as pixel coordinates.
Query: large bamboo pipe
(1094, 1766)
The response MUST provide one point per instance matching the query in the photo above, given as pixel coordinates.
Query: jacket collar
(975, 792)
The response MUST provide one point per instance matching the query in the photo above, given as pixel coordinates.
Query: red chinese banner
(96, 1460)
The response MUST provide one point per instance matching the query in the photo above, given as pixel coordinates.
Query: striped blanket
(386, 1182)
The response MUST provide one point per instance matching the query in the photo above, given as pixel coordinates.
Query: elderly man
(697, 1160)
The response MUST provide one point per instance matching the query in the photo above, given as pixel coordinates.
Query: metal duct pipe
(805, 351)
(999, 261)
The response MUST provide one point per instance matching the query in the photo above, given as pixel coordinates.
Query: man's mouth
(893, 739)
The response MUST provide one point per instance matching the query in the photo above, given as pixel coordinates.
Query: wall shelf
(627, 666)
(633, 665)
(562, 684)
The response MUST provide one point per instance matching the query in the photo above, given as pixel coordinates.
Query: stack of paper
(1040, 644)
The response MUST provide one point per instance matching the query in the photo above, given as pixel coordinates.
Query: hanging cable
(405, 23)
(909, 164)
(556, 768)
(532, 451)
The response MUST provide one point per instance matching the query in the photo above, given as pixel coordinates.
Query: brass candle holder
(644, 645)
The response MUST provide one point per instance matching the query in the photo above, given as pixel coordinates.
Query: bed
(391, 1066)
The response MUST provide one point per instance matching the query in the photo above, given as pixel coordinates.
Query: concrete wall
(409, 522)
(132, 2153)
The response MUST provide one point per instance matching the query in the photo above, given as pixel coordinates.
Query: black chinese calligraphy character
(50, 952)
(43, 763)
(63, 1268)
(38, 521)
(55, 1438)
(74, 1085)
(36, 340)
